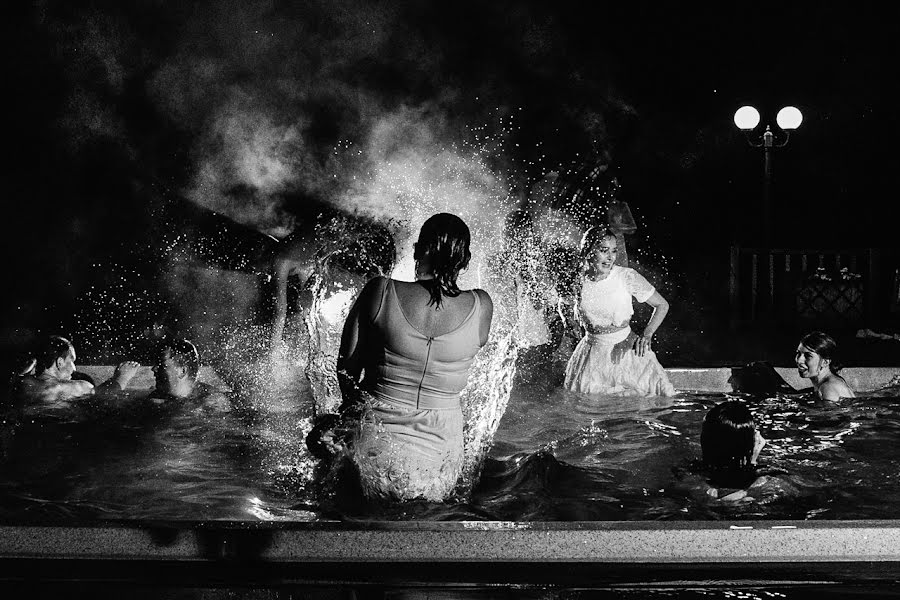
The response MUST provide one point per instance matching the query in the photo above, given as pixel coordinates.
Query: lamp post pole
(788, 119)
(768, 145)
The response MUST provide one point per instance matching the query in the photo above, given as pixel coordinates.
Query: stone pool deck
(436, 554)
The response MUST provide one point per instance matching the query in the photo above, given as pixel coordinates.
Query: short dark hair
(728, 436)
(53, 348)
(183, 352)
(825, 346)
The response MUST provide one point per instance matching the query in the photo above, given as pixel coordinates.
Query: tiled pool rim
(453, 553)
(715, 379)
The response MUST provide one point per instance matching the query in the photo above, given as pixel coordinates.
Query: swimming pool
(556, 457)
(571, 486)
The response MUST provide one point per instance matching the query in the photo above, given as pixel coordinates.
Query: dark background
(102, 138)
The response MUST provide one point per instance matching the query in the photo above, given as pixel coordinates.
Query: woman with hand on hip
(611, 358)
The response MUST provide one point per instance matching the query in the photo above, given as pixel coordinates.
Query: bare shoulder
(484, 297)
(34, 390)
(835, 389)
(370, 295)
(486, 316)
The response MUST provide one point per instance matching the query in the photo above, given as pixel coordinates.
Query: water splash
(332, 300)
(484, 401)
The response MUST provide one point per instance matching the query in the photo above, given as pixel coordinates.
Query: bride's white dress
(607, 304)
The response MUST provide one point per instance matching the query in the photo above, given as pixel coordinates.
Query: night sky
(262, 111)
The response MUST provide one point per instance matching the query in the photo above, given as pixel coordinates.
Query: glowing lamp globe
(746, 118)
(789, 118)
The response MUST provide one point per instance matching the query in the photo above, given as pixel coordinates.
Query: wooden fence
(790, 286)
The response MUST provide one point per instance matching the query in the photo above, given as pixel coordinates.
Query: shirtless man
(176, 369)
(53, 385)
(349, 250)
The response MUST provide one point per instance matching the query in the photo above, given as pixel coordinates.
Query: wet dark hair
(183, 352)
(825, 346)
(54, 347)
(444, 239)
(728, 436)
(589, 242)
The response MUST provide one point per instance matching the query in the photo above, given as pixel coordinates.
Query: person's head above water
(56, 358)
(598, 251)
(728, 436)
(441, 253)
(176, 368)
(817, 355)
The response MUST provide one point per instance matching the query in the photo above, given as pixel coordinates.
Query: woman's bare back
(428, 319)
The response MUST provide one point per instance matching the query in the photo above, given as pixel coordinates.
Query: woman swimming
(816, 360)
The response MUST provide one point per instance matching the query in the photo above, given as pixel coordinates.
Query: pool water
(556, 457)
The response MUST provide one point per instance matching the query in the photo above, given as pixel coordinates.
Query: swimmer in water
(731, 445)
(176, 369)
(816, 360)
(53, 383)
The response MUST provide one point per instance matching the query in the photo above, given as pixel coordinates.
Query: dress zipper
(424, 370)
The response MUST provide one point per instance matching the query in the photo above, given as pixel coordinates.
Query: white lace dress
(606, 304)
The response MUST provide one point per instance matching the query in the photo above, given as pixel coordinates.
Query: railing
(774, 284)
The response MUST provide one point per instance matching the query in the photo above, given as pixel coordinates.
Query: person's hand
(125, 372)
(758, 442)
(642, 344)
(736, 496)
(333, 442)
(622, 348)
(322, 441)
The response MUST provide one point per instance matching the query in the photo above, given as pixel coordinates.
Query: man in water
(53, 384)
(176, 369)
(347, 249)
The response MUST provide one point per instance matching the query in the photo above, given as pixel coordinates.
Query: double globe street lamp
(747, 118)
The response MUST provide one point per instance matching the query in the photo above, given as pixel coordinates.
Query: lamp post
(747, 118)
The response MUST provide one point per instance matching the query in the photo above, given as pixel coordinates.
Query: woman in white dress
(611, 358)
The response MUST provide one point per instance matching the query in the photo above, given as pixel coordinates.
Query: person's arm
(758, 443)
(284, 268)
(660, 310)
(120, 379)
(735, 496)
(295, 257)
(355, 341)
(567, 307)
